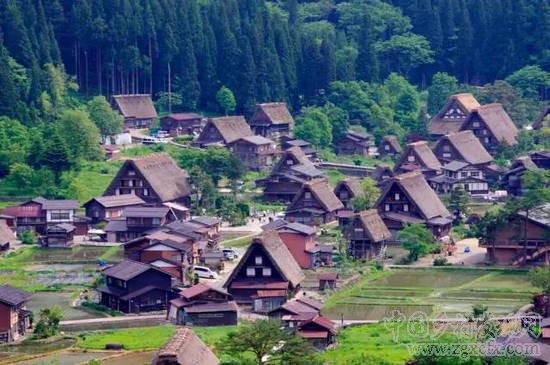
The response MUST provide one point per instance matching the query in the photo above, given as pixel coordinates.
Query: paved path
(113, 322)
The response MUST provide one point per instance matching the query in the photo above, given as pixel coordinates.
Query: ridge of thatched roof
(231, 128)
(321, 190)
(185, 348)
(498, 122)
(276, 113)
(138, 106)
(468, 146)
(373, 225)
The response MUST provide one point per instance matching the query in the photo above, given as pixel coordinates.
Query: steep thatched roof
(272, 113)
(468, 146)
(139, 106)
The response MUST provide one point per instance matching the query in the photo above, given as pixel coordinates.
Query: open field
(436, 292)
(379, 344)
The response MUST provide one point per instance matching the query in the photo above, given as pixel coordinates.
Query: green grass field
(435, 292)
(147, 337)
(378, 344)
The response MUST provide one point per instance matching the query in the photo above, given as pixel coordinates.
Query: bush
(101, 308)
(440, 261)
(379, 265)
(48, 322)
(28, 237)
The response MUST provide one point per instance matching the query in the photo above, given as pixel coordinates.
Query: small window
(487, 139)
(387, 207)
(446, 148)
(410, 158)
(446, 155)
(396, 196)
(358, 230)
(258, 260)
(289, 162)
(266, 271)
(475, 173)
(387, 147)
(307, 195)
(463, 174)
(156, 221)
(131, 173)
(290, 324)
(146, 192)
(476, 124)
(250, 272)
(405, 207)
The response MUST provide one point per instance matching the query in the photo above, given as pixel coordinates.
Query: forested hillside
(262, 50)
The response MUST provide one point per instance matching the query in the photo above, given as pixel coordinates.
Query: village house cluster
(168, 251)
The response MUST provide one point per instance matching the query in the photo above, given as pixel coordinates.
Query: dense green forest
(382, 65)
(262, 50)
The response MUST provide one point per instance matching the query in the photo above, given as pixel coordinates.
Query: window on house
(307, 195)
(475, 173)
(446, 148)
(405, 207)
(446, 155)
(410, 158)
(358, 230)
(387, 207)
(396, 196)
(258, 260)
(487, 139)
(156, 221)
(266, 271)
(475, 124)
(289, 162)
(131, 173)
(463, 174)
(146, 192)
(250, 271)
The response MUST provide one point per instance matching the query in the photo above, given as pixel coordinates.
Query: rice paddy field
(438, 293)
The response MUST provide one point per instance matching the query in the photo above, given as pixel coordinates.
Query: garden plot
(435, 292)
(63, 300)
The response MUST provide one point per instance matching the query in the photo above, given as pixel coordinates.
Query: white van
(204, 272)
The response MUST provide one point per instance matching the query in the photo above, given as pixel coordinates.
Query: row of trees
(262, 50)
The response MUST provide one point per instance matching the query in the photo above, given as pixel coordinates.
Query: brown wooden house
(28, 216)
(366, 235)
(15, 319)
(389, 147)
(255, 152)
(108, 207)
(137, 110)
(156, 179)
(297, 306)
(135, 287)
(203, 305)
(272, 120)
(513, 178)
(418, 157)
(524, 239)
(319, 330)
(314, 204)
(453, 114)
(288, 175)
(60, 236)
(327, 280)
(185, 348)
(348, 189)
(470, 178)
(381, 174)
(266, 265)
(492, 126)
(462, 146)
(355, 143)
(223, 131)
(408, 198)
(306, 147)
(541, 159)
(178, 124)
(136, 221)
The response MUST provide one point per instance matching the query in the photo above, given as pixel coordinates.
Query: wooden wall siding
(124, 176)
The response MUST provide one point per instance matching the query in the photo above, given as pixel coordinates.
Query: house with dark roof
(348, 189)
(453, 114)
(512, 179)
(418, 157)
(301, 241)
(306, 147)
(291, 171)
(224, 131)
(543, 119)
(28, 216)
(492, 126)
(185, 348)
(135, 221)
(460, 174)
(203, 305)
(104, 208)
(272, 120)
(15, 319)
(366, 235)
(381, 174)
(327, 280)
(541, 159)
(390, 147)
(178, 124)
(523, 240)
(255, 152)
(408, 198)
(59, 236)
(155, 178)
(135, 287)
(137, 110)
(355, 143)
(267, 265)
(314, 204)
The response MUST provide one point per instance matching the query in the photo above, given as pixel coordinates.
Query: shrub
(440, 261)
(28, 237)
(379, 265)
(48, 322)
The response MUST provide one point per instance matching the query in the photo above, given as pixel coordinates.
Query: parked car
(149, 140)
(163, 134)
(230, 254)
(204, 272)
